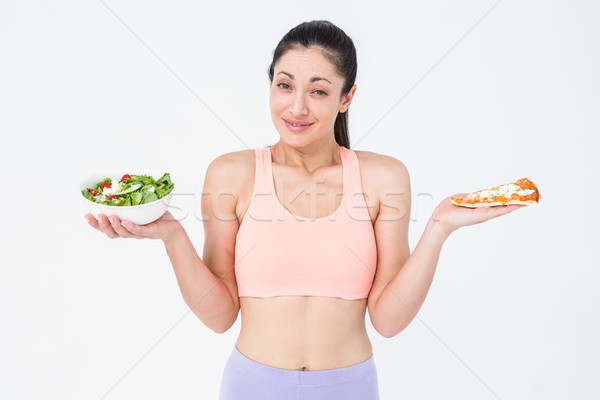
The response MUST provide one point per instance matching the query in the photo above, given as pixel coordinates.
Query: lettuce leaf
(143, 179)
(164, 180)
(86, 193)
(149, 197)
(160, 193)
(136, 197)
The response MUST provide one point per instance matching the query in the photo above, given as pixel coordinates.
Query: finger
(503, 210)
(511, 208)
(105, 226)
(115, 224)
(135, 230)
(92, 221)
(514, 207)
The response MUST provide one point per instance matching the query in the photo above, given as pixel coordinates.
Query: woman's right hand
(164, 228)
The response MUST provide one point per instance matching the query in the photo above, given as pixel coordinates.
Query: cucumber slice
(130, 189)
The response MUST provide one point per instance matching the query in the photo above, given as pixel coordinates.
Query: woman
(303, 236)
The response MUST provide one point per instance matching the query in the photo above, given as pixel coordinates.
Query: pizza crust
(495, 203)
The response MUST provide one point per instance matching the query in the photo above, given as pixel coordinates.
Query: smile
(296, 126)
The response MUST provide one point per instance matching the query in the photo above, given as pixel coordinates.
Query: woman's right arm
(207, 285)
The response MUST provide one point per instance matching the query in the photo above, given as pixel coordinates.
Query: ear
(347, 99)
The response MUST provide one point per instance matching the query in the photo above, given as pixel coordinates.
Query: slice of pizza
(522, 191)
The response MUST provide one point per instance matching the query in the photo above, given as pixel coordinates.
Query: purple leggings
(246, 379)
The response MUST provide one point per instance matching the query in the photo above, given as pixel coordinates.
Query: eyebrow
(313, 79)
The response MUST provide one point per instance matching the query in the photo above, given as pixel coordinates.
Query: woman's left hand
(451, 217)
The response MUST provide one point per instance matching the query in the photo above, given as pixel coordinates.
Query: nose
(298, 106)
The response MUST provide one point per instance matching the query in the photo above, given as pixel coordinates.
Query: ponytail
(340, 129)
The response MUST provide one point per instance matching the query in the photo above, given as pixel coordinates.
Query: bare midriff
(304, 332)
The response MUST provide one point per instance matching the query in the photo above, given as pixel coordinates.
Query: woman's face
(305, 97)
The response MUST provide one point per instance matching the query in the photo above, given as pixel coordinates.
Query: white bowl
(140, 215)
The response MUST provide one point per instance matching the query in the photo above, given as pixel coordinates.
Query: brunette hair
(337, 47)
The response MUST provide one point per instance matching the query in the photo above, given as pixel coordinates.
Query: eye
(320, 93)
(283, 85)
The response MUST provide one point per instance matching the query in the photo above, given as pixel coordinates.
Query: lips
(295, 125)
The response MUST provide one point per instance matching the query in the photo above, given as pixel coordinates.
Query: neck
(307, 158)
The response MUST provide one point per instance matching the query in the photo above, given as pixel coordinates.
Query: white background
(464, 102)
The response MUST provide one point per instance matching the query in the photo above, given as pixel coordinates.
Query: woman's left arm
(402, 280)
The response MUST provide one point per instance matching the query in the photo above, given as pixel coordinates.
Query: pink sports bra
(280, 254)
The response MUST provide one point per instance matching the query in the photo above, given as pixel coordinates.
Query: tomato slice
(104, 185)
(112, 197)
(126, 176)
(93, 192)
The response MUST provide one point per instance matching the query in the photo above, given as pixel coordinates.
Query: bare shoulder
(382, 172)
(229, 181)
(385, 182)
(372, 157)
(232, 169)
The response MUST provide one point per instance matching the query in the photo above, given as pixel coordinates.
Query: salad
(130, 190)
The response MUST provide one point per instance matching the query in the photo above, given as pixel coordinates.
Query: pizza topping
(484, 194)
(525, 192)
(506, 191)
(518, 192)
